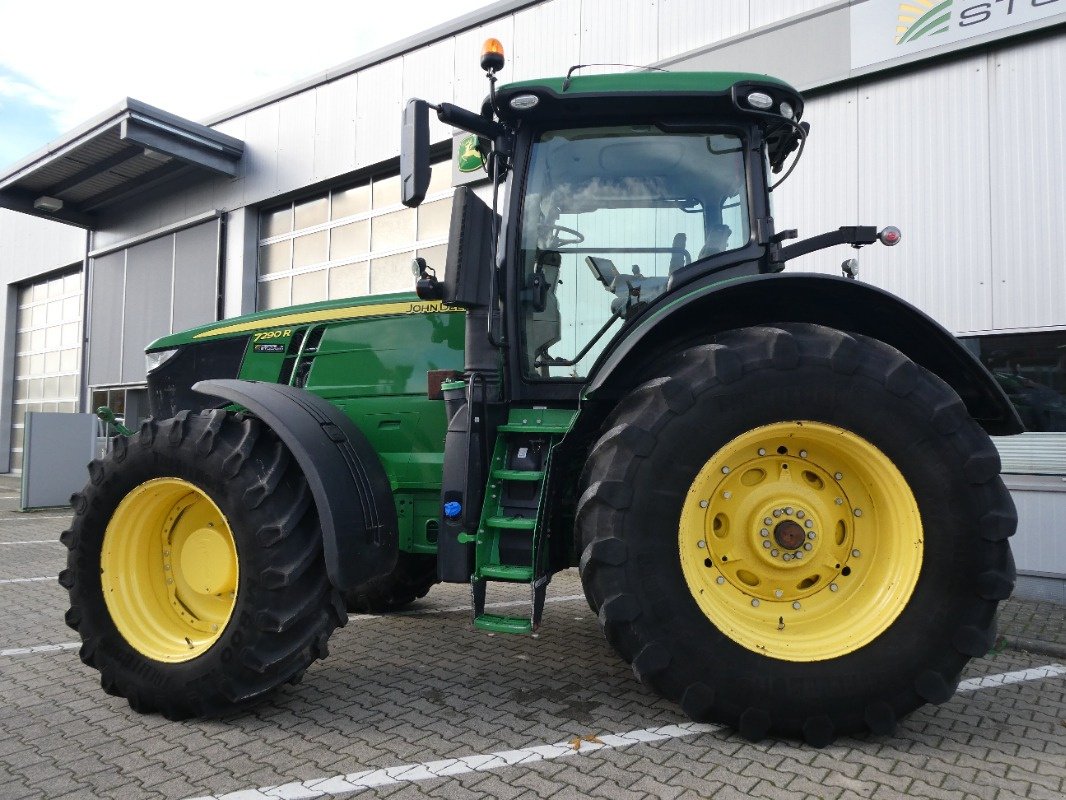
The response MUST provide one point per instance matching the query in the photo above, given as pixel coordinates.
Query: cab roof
(646, 92)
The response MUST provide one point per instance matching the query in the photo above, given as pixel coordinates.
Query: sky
(64, 62)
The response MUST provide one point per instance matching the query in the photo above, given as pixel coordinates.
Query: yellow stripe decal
(329, 315)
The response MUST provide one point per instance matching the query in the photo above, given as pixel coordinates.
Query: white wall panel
(613, 32)
(687, 24)
(547, 40)
(924, 167)
(429, 73)
(31, 245)
(1028, 120)
(335, 127)
(470, 84)
(822, 192)
(379, 103)
(1038, 544)
(260, 160)
(765, 12)
(296, 140)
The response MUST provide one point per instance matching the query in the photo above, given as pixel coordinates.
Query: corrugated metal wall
(353, 122)
(965, 157)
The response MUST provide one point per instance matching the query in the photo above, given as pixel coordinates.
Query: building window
(1031, 369)
(356, 239)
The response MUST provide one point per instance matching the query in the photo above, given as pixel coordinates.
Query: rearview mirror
(414, 153)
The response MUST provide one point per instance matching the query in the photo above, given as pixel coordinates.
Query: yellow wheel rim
(169, 570)
(800, 541)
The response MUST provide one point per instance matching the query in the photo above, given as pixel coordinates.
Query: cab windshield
(609, 213)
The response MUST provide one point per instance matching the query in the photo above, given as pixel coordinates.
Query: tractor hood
(310, 313)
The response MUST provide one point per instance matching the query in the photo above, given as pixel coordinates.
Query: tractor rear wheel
(195, 568)
(411, 580)
(797, 532)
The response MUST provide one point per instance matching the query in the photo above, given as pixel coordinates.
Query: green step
(518, 474)
(499, 624)
(511, 523)
(506, 572)
(532, 427)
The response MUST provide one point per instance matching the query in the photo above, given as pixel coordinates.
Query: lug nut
(701, 543)
(809, 523)
(762, 451)
(766, 544)
(838, 475)
(788, 509)
(786, 557)
(768, 521)
(719, 579)
(755, 603)
(803, 453)
(840, 501)
(833, 587)
(777, 512)
(800, 515)
(856, 553)
(798, 555)
(764, 532)
(858, 512)
(725, 470)
(808, 547)
(811, 534)
(774, 553)
(727, 495)
(778, 593)
(704, 503)
(796, 605)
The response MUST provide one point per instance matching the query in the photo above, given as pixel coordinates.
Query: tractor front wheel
(414, 575)
(797, 532)
(195, 567)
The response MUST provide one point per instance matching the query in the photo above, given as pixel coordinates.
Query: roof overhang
(124, 150)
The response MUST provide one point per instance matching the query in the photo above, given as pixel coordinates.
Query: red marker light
(890, 236)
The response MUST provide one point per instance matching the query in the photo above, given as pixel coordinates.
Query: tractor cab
(615, 191)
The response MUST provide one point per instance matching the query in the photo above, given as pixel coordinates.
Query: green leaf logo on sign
(918, 18)
(470, 158)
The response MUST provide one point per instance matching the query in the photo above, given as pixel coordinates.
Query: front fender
(360, 534)
(803, 297)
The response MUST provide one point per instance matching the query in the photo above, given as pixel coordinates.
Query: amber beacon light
(492, 55)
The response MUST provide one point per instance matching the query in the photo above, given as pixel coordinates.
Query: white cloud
(194, 58)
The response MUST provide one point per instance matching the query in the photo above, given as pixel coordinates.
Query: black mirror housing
(414, 153)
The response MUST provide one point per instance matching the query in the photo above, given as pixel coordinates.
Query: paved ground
(404, 700)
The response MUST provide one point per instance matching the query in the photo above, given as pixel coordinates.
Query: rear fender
(360, 536)
(803, 297)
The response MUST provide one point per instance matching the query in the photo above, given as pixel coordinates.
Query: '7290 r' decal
(277, 334)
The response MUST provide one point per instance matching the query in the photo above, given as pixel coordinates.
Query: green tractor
(779, 488)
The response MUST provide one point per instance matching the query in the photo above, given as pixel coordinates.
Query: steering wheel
(576, 237)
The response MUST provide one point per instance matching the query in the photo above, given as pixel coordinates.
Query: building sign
(883, 30)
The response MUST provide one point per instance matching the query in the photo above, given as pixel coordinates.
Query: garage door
(47, 351)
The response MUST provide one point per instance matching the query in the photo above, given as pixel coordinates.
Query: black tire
(411, 580)
(664, 431)
(285, 608)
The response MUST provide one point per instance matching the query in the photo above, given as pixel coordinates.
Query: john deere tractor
(779, 489)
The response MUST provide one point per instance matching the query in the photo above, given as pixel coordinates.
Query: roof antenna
(570, 72)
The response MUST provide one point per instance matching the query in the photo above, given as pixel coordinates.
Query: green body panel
(643, 82)
(371, 362)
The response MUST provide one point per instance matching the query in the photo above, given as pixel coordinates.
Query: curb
(1033, 646)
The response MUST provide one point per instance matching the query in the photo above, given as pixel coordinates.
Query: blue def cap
(452, 509)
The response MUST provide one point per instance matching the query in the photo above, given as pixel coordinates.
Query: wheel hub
(789, 534)
(169, 570)
(800, 540)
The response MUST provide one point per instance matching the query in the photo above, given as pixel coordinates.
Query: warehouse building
(946, 119)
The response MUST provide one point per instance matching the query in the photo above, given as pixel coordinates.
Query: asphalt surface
(420, 704)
